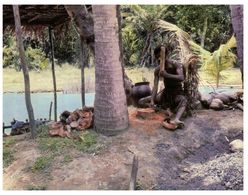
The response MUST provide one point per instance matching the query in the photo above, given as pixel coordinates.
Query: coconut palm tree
(217, 61)
(237, 22)
(110, 107)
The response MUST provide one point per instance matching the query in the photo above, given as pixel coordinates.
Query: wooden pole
(24, 69)
(3, 129)
(162, 59)
(50, 111)
(84, 59)
(134, 172)
(53, 73)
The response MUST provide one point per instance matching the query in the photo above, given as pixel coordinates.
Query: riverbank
(194, 158)
(68, 79)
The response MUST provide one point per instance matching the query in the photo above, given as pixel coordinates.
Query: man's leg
(181, 103)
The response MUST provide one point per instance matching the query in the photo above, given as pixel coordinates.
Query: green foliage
(137, 27)
(7, 157)
(36, 58)
(130, 43)
(10, 53)
(221, 59)
(194, 18)
(8, 151)
(42, 163)
(67, 47)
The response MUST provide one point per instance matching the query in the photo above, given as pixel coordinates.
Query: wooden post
(162, 59)
(50, 111)
(134, 172)
(84, 59)
(24, 69)
(3, 129)
(53, 73)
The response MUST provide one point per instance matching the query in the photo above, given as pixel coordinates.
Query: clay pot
(141, 89)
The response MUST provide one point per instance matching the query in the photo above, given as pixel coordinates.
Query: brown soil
(163, 156)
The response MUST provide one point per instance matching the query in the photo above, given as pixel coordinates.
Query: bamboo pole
(53, 73)
(84, 60)
(24, 69)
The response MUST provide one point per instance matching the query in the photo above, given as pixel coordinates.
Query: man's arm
(178, 77)
(155, 85)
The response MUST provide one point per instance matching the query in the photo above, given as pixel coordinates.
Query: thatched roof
(40, 15)
(35, 18)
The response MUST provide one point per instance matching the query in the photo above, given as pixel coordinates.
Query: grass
(69, 77)
(42, 163)
(58, 145)
(7, 157)
(8, 153)
(31, 187)
(67, 159)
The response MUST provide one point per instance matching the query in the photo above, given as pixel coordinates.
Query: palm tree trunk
(237, 22)
(24, 69)
(84, 25)
(83, 22)
(111, 115)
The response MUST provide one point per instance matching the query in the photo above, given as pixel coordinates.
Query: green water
(14, 104)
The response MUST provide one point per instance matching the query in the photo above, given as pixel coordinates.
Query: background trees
(208, 25)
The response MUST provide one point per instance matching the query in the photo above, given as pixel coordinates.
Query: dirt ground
(196, 157)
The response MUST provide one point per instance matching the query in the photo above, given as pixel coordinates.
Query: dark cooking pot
(141, 89)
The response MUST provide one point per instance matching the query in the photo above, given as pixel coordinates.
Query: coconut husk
(74, 116)
(64, 115)
(74, 124)
(84, 124)
(55, 125)
(84, 113)
(59, 132)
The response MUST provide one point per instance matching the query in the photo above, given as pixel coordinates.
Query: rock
(59, 132)
(223, 97)
(206, 100)
(74, 124)
(216, 104)
(236, 145)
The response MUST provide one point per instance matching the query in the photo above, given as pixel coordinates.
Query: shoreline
(68, 91)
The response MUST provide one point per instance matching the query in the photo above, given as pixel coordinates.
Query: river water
(14, 103)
